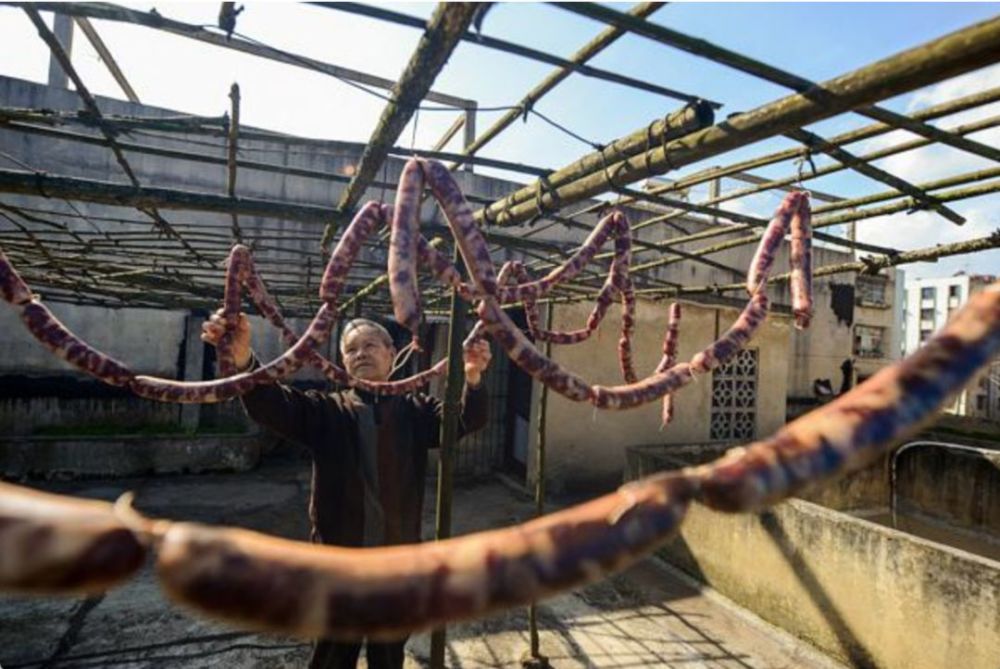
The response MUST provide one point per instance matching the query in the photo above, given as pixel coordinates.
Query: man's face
(366, 354)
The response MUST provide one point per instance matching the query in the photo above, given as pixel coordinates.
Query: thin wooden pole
(866, 265)
(536, 660)
(109, 61)
(705, 49)
(444, 30)
(515, 49)
(553, 79)
(785, 183)
(948, 56)
(233, 139)
(449, 437)
(110, 12)
(91, 104)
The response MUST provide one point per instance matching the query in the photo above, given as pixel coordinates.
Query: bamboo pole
(553, 79)
(849, 160)
(867, 132)
(91, 104)
(344, 147)
(677, 124)
(444, 29)
(828, 221)
(940, 59)
(515, 49)
(762, 185)
(155, 20)
(767, 72)
(867, 265)
(875, 129)
(937, 184)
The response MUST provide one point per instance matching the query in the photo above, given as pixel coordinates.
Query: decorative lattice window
(734, 398)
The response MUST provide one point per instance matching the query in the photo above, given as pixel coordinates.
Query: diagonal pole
(444, 30)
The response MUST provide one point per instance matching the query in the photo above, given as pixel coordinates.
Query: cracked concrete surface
(647, 617)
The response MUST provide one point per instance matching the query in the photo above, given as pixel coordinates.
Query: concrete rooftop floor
(649, 616)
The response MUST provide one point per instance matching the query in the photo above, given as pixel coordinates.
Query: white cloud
(923, 229)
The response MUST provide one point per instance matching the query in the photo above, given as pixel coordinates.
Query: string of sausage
(671, 340)
(406, 249)
(311, 591)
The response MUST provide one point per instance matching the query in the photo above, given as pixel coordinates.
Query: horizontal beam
(940, 59)
(109, 12)
(516, 49)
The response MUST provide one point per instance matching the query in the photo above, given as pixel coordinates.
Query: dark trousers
(344, 655)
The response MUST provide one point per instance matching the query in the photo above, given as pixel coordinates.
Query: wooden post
(535, 659)
(449, 436)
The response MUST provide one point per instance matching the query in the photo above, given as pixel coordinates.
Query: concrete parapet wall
(864, 489)
(868, 595)
(62, 457)
(960, 487)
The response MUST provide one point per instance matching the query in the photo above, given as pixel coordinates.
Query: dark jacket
(369, 455)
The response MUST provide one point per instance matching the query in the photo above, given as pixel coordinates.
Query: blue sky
(814, 40)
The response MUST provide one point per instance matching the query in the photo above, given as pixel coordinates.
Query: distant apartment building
(929, 305)
(877, 321)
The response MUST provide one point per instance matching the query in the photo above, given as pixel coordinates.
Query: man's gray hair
(359, 323)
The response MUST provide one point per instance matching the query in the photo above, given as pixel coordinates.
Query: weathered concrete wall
(865, 489)
(586, 449)
(822, 348)
(868, 595)
(960, 487)
(62, 457)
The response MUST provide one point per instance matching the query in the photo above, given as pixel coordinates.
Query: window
(927, 293)
(870, 290)
(980, 403)
(734, 398)
(927, 315)
(955, 291)
(924, 335)
(868, 341)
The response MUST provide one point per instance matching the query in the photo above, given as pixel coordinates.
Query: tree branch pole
(444, 30)
(948, 56)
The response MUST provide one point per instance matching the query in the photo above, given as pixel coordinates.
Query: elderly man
(369, 453)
